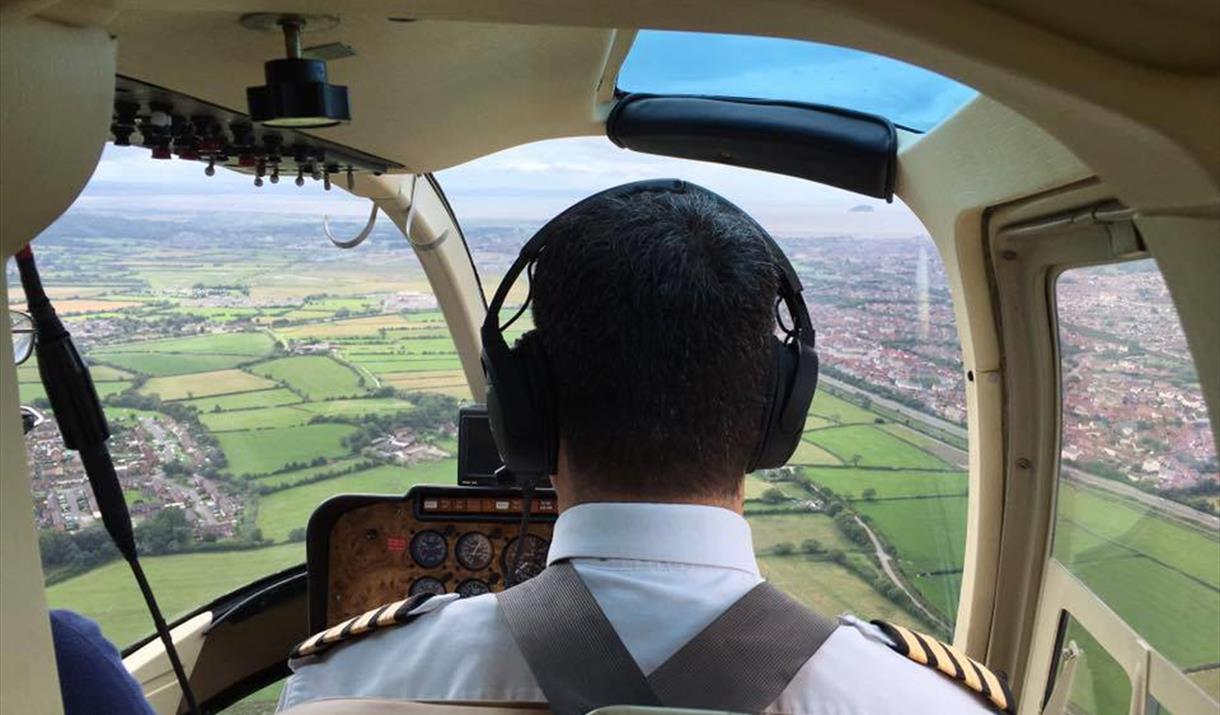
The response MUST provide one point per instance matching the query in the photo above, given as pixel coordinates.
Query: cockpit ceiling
(1129, 87)
(425, 94)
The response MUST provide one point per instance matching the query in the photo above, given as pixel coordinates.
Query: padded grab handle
(849, 150)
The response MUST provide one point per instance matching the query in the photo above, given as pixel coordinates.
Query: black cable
(529, 294)
(117, 520)
(527, 497)
(82, 424)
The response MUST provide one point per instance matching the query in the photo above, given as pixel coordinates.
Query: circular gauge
(427, 584)
(474, 551)
(472, 587)
(530, 562)
(429, 549)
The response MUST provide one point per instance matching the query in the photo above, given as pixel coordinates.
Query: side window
(1138, 493)
(870, 514)
(1098, 684)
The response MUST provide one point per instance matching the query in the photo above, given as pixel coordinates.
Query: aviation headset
(521, 402)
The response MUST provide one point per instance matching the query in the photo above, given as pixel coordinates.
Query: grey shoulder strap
(746, 657)
(578, 660)
(741, 662)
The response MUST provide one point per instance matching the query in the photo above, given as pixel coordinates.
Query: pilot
(656, 312)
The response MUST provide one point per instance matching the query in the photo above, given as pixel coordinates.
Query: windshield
(869, 516)
(771, 68)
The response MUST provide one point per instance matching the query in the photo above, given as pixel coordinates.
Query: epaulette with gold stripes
(391, 614)
(950, 661)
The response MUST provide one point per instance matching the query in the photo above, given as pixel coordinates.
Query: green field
(409, 365)
(257, 419)
(809, 453)
(182, 582)
(831, 589)
(365, 406)
(1127, 525)
(281, 512)
(771, 529)
(865, 445)
(247, 400)
(31, 391)
(203, 384)
(160, 364)
(246, 344)
(299, 475)
(262, 451)
(839, 411)
(889, 484)
(317, 377)
(1144, 593)
(928, 534)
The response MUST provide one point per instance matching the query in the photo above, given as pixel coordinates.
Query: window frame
(1030, 245)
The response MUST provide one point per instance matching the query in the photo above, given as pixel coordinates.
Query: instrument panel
(364, 551)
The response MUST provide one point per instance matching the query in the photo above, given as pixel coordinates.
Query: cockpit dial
(474, 551)
(529, 563)
(427, 584)
(429, 549)
(472, 587)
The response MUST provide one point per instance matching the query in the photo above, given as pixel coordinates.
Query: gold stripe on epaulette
(391, 614)
(951, 662)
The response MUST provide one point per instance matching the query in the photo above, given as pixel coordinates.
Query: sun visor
(848, 150)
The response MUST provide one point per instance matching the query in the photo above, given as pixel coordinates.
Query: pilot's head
(656, 312)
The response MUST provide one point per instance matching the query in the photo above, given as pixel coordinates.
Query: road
(936, 422)
(884, 558)
(1166, 506)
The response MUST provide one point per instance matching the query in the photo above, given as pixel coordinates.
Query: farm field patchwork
(317, 377)
(809, 453)
(830, 589)
(839, 411)
(273, 397)
(283, 511)
(204, 384)
(889, 484)
(253, 344)
(772, 529)
(865, 445)
(1127, 525)
(281, 479)
(929, 534)
(262, 451)
(160, 364)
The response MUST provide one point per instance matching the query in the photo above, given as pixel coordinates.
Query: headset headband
(789, 284)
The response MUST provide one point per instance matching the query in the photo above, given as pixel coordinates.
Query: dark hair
(656, 312)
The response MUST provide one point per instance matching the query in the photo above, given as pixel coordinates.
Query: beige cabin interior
(1081, 104)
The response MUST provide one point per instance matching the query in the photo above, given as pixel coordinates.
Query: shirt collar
(675, 533)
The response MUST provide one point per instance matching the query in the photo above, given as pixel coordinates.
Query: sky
(525, 184)
(531, 183)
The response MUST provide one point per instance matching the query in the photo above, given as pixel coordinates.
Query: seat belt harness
(741, 662)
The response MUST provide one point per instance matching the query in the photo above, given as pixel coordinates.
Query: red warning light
(396, 543)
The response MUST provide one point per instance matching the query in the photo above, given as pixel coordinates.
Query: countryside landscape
(251, 372)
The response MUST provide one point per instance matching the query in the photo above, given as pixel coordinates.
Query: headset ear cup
(795, 382)
(541, 384)
(520, 406)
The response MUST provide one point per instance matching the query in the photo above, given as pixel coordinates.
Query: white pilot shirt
(662, 573)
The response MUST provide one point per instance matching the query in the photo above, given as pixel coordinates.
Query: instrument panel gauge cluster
(366, 551)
